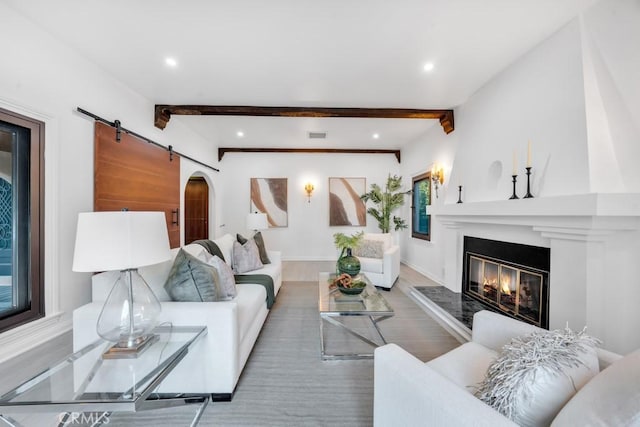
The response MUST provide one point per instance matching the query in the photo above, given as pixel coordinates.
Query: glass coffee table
(334, 307)
(86, 386)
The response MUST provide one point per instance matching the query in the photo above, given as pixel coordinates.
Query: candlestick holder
(459, 194)
(515, 179)
(528, 195)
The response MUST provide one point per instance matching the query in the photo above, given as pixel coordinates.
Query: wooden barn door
(196, 210)
(136, 175)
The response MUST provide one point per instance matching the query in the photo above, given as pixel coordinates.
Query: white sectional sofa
(408, 392)
(214, 365)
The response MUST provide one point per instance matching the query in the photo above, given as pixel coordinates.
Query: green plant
(344, 242)
(386, 202)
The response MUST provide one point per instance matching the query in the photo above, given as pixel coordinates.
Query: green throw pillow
(192, 280)
(261, 248)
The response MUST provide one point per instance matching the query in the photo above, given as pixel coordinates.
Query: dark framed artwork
(269, 195)
(345, 206)
(421, 198)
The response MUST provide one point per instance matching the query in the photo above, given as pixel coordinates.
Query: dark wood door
(136, 175)
(196, 210)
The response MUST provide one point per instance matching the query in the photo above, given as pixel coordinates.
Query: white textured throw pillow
(225, 274)
(246, 257)
(370, 249)
(537, 374)
(612, 398)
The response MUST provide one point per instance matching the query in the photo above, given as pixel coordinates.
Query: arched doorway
(196, 210)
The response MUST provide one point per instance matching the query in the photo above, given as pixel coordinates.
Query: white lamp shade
(120, 240)
(257, 221)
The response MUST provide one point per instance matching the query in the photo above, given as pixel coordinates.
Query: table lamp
(257, 221)
(124, 241)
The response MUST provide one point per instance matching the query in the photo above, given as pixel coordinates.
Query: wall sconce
(437, 176)
(308, 187)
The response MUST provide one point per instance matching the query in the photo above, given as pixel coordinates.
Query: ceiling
(330, 53)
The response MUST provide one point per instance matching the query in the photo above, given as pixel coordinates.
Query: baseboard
(309, 258)
(25, 337)
(444, 319)
(425, 273)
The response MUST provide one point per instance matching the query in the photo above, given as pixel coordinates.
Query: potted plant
(386, 202)
(347, 262)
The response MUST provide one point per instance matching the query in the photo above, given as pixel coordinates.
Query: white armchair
(383, 271)
(408, 392)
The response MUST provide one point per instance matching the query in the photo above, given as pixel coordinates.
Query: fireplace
(510, 278)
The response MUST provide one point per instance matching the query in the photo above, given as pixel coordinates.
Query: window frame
(415, 181)
(36, 246)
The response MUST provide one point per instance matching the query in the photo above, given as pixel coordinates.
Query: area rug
(285, 383)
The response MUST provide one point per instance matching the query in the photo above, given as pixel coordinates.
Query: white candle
(515, 163)
(529, 154)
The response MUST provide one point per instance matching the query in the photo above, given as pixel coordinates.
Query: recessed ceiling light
(171, 62)
(240, 134)
(429, 66)
(376, 135)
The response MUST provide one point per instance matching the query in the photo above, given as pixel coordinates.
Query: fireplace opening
(509, 278)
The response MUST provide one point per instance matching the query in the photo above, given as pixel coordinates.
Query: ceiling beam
(163, 113)
(223, 150)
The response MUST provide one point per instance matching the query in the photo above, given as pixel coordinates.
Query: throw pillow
(225, 274)
(370, 249)
(225, 244)
(191, 279)
(261, 248)
(246, 257)
(264, 258)
(535, 375)
(612, 398)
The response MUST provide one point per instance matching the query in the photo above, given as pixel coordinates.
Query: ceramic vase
(349, 264)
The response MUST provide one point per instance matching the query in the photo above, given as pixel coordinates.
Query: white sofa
(382, 272)
(214, 365)
(408, 392)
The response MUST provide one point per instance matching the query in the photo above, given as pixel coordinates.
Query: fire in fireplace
(508, 277)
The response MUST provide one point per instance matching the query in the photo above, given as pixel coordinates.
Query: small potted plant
(347, 262)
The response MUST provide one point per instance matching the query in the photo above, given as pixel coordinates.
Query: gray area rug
(285, 383)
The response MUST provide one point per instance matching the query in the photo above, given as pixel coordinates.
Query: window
(420, 221)
(21, 219)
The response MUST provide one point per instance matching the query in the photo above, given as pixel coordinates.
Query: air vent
(317, 135)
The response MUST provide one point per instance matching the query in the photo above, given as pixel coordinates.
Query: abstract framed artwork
(269, 196)
(345, 206)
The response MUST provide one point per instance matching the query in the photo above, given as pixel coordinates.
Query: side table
(84, 382)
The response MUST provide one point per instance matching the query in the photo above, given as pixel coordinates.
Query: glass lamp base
(128, 350)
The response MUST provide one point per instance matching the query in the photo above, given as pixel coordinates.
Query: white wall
(538, 98)
(308, 235)
(541, 98)
(41, 78)
(576, 97)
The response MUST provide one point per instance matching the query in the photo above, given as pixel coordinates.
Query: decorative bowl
(355, 289)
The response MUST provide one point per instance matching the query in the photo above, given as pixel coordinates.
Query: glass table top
(87, 381)
(368, 302)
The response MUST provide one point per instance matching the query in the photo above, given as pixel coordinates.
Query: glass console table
(85, 382)
(334, 306)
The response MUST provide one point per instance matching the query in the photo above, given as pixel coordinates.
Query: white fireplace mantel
(595, 244)
(593, 210)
